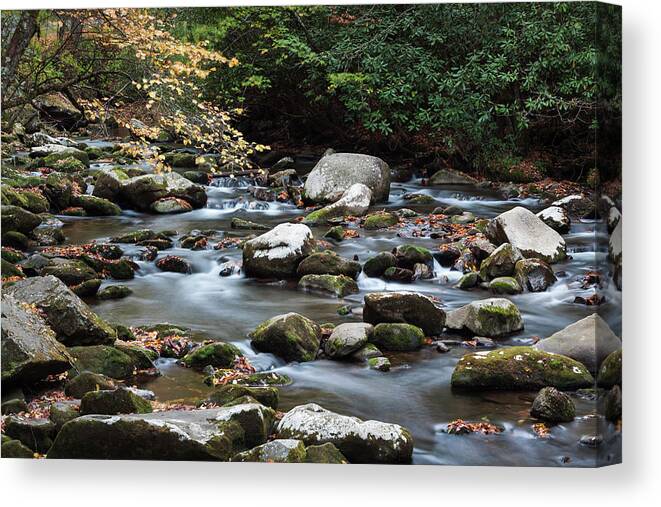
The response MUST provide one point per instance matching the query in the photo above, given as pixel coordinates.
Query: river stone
(33, 202)
(397, 337)
(70, 271)
(325, 453)
(13, 406)
(519, 368)
(360, 441)
(170, 205)
(30, 350)
(291, 336)
(451, 177)
(141, 191)
(553, 406)
(377, 265)
(87, 381)
(268, 396)
(380, 220)
(256, 419)
(278, 252)
(501, 262)
(492, 317)
(174, 264)
(71, 319)
(96, 206)
(277, 451)
(37, 434)
(56, 107)
(529, 234)
(108, 183)
(218, 355)
(610, 371)
(15, 449)
(15, 219)
(61, 412)
(328, 263)
(409, 255)
(366, 353)
(588, 341)
(614, 244)
(103, 359)
(576, 204)
(114, 292)
(556, 218)
(338, 286)
(190, 435)
(335, 173)
(117, 401)
(347, 338)
(379, 363)
(612, 405)
(505, 285)
(354, 202)
(468, 281)
(404, 307)
(534, 275)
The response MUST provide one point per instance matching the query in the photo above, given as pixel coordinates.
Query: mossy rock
(31, 201)
(500, 263)
(51, 159)
(519, 368)
(16, 449)
(379, 363)
(377, 265)
(339, 286)
(613, 404)
(72, 272)
(610, 371)
(336, 233)
(88, 288)
(103, 359)
(68, 165)
(15, 219)
(14, 406)
(96, 206)
(143, 357)
(121, 269)
(11, 255)
(380, 221)
(114, 292)
(95, 153)
(9, 270)
(553, 406)
(134, 236)
(328, 263)
(397, 337)
(276, 451)
(118, 401)
(61, 412)
(505, 285)
(468, 281)
(366, 353)
(15, 239)
(87, 381)
(176, 159)
(37, 434)
(290, 336)
(222, 395)
(218, 355)
(409, 255)
(325, 453)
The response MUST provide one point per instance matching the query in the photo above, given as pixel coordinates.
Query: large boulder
(588, 341)
(30, 351)
(224, 394)
(360, 441)
(141, 191)
(105, 360)
(354, 201)
(71, 319)
(18, 220)
(255, 419)
(336, 172)
(404, 307)
(194, 435)
(397, 337)
(525, 231)
(492, 317)
(109, 182)
(56, 107)
(610, 371)
(37, 434)
(290, 336)
(278, 252)
(519, 368)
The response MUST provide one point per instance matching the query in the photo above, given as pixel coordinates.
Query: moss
(96, 206)
(55, 157)
(318, 217)
(119, 401)
(30, 200)
(103, 359)
(468, 281)
(11, 255)
(338, 285)
(114, 292)
(8, 270)
(268, 396)
(65, 165)
(397, 337)
(380, 221)
(519, 368)
(336, 233)
(610, 371)
(219, 355)
(409, 255)
(505, 285)
(15, 239)
(379, 363)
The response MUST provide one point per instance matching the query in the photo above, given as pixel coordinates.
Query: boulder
(354, 202)
(576, 205)
(247, 225)
(468, 281)
(493, 317)
(367, 352)
(15, 219)
(612, 406)
(71, 319)
(519, 368)
(338, 286)
(380, 220)
(588, 341)
(255, 419)
(30, 350)
(451, 177)
(117, 401)
(218, 355)
(103, 359)
(325, 453)
(501, 262)
(360, 441)
(192, 435)
(109, 182)
(67, 160)
(556, 218)
(337, 172)
(404, 307)
(505, 285)
(174, 264)
(87, 381)
(379, 363)
(278, 252)
(96, 206)
(114, 292)
(170, 205)
(397, 337)
(224, 394)
(56, 107)
(347, 338)
(610, 371)
(70, 271)
(525, 231)
(553, 406)
(328, 263)
(37, 434)
(15, 449)
(534, 275)
(34, 202)
(408, 256)
(276, 451)
(377, 265)
(61, 412)
(290, 336)
(141, 191)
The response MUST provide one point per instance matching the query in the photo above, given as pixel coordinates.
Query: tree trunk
(26, 28)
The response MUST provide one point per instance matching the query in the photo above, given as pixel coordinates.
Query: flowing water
(416, 393)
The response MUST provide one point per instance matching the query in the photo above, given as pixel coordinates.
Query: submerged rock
(290, 336)
(451, 177)
(404, 307)
(360, 441)
(553, 406)
(519, 368)
(488, 317)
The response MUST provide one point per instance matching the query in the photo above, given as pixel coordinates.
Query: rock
(451, 177)
(338, 286)
(614, 217)
(199, 177)
(465, 218)
(225, 394)
(519, 368)
(141, 192)
(282, 164)
(377, 265)
(468, 281)
(174, 264)
(276, 451)
(15, 449)
(229, 268)
(88, 381)
(379, 363)
(592, 441)
(553, 406)
(15, 239)
(30, 350)
(577, 205)
(218, 355)
(354, 201)
(14, 406)
(534, 275)
(335, 173)
(255, 419)
(9, 270)
(336, 233)
(71, 319)
(87, 288)
(37, 434)
(398, 275)
(109, 182)
(134, 236)
(614, 243)
(529, 234)
(366, 353)
(588, 341)
(325, 453)
(409, 255)
(56, 107)
(290, 336)
(556, 218)
(31, 201)
(505, 285)
(103, 359)
(70, 271)
(170, 205)
(239, 223)
(67, 160)
(61, 412)
(610, 371)
(121, 269)
(488, 317)
(114, 292)
(284, 178)
(360, 441)
(180, 159)
(500, 263)
(397, 337)
(612, 405)
(328, 263)
(347, 338)
(15, 219)
(118, 401)
(278, 252)
(193, 435)
(404, 307)
(381, 220)
(419, 198)
(447, 254)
